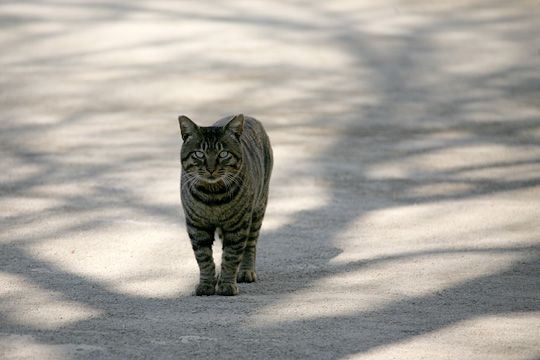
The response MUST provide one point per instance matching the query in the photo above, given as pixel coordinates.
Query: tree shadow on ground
(363, 137)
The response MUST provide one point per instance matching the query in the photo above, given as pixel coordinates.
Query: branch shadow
(297, 255)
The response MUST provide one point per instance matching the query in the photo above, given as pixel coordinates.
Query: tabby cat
(224, 186)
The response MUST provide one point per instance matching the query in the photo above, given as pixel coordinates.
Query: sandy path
(403, 221)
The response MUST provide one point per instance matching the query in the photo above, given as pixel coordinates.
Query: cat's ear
(187, 127)
(236, 125)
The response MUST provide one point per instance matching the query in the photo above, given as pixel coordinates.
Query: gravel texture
(403, 219)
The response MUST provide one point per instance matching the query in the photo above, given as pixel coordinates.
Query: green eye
(198, 154)
(223, 154)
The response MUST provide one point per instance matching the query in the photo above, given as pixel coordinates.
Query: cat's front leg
(201, 242)
(234, 244)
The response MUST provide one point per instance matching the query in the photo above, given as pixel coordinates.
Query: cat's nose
(211, 166)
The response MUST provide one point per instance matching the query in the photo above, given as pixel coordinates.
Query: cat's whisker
(226, 183)
(191, 182)
(235, 180)
(229, 182)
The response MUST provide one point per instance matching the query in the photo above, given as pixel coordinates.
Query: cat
(224, 185)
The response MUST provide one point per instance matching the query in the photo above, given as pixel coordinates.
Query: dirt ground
(404, 213)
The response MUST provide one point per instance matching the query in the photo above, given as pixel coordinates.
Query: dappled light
(25, 303)
(491, 335)
(402, 220)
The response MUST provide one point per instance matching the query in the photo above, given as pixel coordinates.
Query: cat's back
(253, 128)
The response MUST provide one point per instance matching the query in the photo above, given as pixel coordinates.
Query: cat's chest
(217, 215)
(215, 212)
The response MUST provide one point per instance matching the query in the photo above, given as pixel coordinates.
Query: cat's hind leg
(247, 273)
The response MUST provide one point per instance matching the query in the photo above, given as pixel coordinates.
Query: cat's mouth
(211, 179)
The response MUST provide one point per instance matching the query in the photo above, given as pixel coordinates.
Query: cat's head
(213, 153)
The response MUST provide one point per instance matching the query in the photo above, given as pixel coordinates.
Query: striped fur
(224, 186)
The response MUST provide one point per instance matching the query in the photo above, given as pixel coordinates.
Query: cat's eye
(198, 154)
(223, 154)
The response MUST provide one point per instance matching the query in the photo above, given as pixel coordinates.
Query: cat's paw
(246, 276)
(205, 289)
(227, 289)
